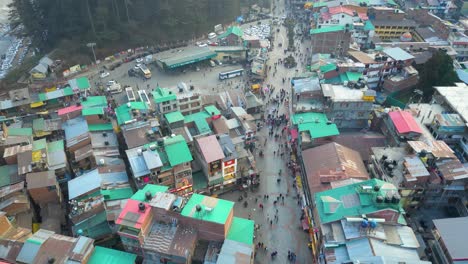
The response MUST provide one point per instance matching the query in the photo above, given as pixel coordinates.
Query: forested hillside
(118, 23)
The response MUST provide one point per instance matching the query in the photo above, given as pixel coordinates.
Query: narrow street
(286, 232)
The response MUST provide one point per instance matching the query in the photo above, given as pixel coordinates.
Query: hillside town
(299, 133)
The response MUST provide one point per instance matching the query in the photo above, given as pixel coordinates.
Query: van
(212, 63)
(212, 35)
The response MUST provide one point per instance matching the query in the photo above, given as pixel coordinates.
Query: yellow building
(394, 29)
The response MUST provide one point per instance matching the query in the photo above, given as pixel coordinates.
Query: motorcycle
(240, 198)
(246, 204)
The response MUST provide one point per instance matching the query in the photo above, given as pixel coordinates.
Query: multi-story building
(347, 106)
(314, 129)
(211, 156)
(164, 227)
(459, 42)
(189, 102)
(400, 126)
(328, 163)
(166, 162)
(165, 100)
(362, 221)
(134, 225)
(453, 99)
(332, 39)
(391, 24)
(448, 246)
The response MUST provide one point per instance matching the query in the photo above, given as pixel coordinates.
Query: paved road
(287, 233)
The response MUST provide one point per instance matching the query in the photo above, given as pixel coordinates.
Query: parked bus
(145, 71)
(230, 74)
(144, 97)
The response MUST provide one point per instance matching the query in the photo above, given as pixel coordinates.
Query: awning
(37, 104)
(305, 224)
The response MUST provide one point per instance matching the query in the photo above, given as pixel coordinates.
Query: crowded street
(275, 206)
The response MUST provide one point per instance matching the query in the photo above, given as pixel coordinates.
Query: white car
(203, 45)
(139, 60)
(104, 74)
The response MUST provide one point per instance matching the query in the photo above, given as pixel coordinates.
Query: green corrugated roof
(173, 117)
(209, 110)
(5, 172)
(193, 117)
(38, 124)
(345, 77)
(353, 76)
(327, 67)
(39, 144)
(320, 4)
(392, 3)
(177, 150)
(315, 124)
(21, 131)
(152, 188)
(102, 255)
(242, 230)
(100, 127)
(67, 91)
(163, 95)
(326, 29)
(55, 146)
(335, 204)
(83, 83)
(202, 126)
(117, 194)
(232, 30)
(220, 209)
(124, 113)
(368, 26)
(212, 110)
(94, 101)
(92, 111)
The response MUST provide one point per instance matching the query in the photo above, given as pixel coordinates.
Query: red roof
(131, 214)
(210, 148)
(404, 122)
(340, 9)
(69, 109)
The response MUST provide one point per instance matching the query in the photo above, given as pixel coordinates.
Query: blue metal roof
(137, 163)
(75, 127)
(398, 54)
(84, 184)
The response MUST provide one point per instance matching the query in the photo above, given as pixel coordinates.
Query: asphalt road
(287, 233)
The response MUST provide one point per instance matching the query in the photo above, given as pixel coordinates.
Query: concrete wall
(329, 42)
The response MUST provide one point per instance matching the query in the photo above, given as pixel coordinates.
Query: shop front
(229, 172)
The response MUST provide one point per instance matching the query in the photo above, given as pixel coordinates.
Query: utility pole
(91, 45)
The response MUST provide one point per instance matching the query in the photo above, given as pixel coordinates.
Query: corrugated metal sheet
(380, 248)
(233, 252)
(84, 184)
(137, 163)
(359, 248)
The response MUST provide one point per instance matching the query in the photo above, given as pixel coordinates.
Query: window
(166, 108)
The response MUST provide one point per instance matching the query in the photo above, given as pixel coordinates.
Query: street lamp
(91, 45)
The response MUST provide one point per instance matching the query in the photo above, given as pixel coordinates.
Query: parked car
(203, 45)
(212, 35)
(104, 74)
(218, 62)
(139, 60)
